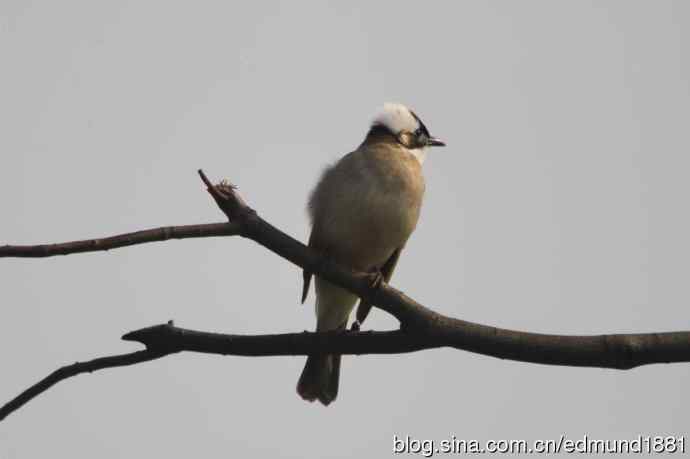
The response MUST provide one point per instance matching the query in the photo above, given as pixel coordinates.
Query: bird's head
(405, 127)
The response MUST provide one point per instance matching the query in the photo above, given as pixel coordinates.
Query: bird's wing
(387, 271)
(306, 275)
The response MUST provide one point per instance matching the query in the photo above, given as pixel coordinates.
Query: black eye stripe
(422, 127)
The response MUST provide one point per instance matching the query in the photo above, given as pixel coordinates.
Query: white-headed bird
(363, 210)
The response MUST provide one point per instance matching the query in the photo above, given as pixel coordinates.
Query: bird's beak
(434, 142)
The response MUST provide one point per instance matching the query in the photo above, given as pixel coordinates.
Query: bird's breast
(370, 208)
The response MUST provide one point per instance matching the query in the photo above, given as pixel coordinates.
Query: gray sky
(560, 205)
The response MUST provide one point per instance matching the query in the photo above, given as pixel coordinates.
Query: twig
(163, 233)
(75, 369)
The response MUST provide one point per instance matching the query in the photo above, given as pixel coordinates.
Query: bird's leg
(376, 278)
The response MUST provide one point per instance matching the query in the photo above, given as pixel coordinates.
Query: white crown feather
(397, 118)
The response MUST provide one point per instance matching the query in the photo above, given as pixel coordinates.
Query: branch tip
(151, 337)
(204, 179)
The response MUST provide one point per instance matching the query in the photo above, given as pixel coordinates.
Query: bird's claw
(355, 326)
(376, 279)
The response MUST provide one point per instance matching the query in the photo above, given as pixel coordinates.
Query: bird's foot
(355, 326)
(376, 279)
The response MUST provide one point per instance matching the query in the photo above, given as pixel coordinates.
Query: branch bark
(421, 327)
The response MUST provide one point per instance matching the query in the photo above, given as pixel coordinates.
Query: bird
(363, 209)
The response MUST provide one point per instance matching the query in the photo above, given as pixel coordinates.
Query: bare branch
(421, 328)
(622, 351)
(604, 351)
(75, 369)
(121, 240)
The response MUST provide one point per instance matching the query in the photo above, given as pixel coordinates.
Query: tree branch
(604, 351)
(421, 328)
(72, 370)
(121, 240)
(622, 351)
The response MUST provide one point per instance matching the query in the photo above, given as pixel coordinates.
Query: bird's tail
(321, 374)
(319, 379)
